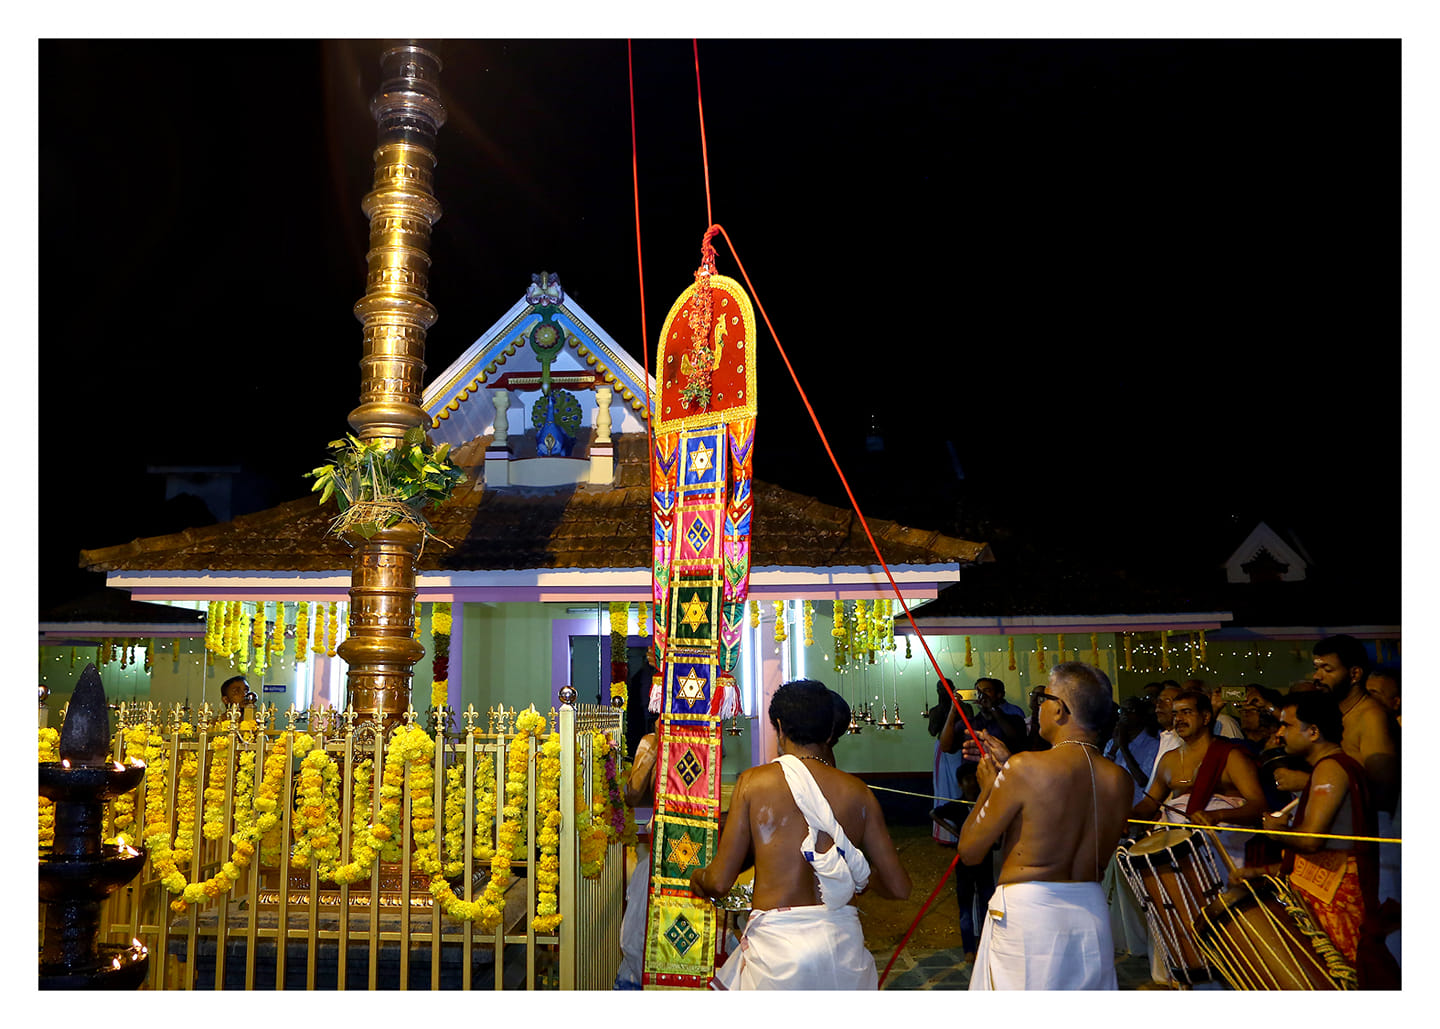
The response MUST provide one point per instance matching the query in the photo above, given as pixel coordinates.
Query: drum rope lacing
(1337, 969)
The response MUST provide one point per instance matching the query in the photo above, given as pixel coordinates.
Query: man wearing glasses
(1060, 813)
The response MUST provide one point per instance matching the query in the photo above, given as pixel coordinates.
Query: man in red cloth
(1336, 878)
(1204, 777)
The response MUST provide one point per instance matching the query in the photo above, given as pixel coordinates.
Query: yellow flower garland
(334, 629)
(49, 751)
(485, 809)
(212, 814)
(455, 820)
(277, 636)
(302, 631)
(364, 846)
(317, 814)
(547, 837)
(490, 906)
(163, 861)
(441, 622)
(318, 645)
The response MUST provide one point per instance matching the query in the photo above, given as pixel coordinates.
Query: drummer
(1203, 776)
(1337, 878)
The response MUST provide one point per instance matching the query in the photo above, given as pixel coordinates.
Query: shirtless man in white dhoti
(1061, 812)
(812, 828)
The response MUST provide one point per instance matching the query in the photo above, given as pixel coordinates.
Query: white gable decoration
(460, 401)
(1264, 545)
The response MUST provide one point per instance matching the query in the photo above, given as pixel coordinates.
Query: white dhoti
(632, 925)
(800, 948)
(1046, 936)
(814, 946)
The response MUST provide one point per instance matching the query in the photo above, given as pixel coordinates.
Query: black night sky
(1142, 286)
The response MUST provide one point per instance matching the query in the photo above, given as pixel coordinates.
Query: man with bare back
(1061, 811)
(811, 828)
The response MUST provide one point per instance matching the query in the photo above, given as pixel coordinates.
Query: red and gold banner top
(706, 362)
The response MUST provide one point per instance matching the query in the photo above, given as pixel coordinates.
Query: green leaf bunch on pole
(378, 483)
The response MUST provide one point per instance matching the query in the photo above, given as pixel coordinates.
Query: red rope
(846, 483)
(923, 908)
(704, 151)
(705, 246)
(640, 264)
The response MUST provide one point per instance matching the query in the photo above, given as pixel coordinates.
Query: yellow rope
(1181, 825)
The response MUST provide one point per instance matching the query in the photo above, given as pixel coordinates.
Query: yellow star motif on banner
(700, 458)
(692, 687)
(695, 615)
(684, 852)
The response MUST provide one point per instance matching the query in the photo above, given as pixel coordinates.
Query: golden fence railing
(260, 873)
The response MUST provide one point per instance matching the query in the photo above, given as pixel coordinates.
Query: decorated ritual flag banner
(704, 425)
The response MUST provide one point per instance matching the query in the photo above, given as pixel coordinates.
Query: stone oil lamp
(78, 871)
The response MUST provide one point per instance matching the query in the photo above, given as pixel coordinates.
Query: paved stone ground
(933, 959)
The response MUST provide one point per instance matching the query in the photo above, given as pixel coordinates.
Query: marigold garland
(318, 645)
(780, 635)
(277, 635)
(455, 820)
(364, 845)
(807, 612)
(302, 631)
(259, 639)
(242, 644)
(441, 623)
(317, 814)
(49, 744)
(547, 836)
(485, 807)
(490, 906)
(334, 629)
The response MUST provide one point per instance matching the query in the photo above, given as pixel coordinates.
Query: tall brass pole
(381, 650)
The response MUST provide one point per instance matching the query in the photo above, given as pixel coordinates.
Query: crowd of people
(1296, 785)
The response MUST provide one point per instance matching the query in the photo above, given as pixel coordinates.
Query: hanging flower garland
(510, 840)
(364, 843)
(317, 814)
(259, 639)
(212, 812)
(302, 631)
(247, 832)
(333, 634)
(593, 837)
(754, 614)
(49, 751)
(137, 741)
(455, 820)
(485, 808)
(441, 622)
(242, 636)
(642, 618)
(619, 650)
(807, 612)
(547, 836)
(318, 645)
(780, 635)
(614, 794)
(277, 635)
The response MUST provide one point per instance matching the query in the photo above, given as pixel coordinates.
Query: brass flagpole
(381, 650)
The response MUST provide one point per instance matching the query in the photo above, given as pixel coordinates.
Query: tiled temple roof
(520, 528)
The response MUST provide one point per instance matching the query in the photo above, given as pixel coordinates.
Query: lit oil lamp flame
(64, 762)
